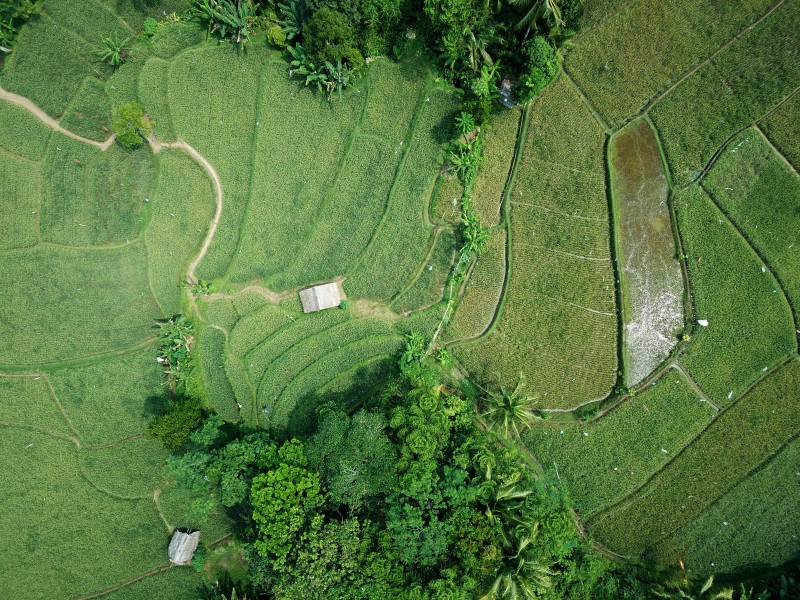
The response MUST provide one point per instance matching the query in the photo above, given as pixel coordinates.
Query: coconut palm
(520, 576)
(510, 409)
(539, 9)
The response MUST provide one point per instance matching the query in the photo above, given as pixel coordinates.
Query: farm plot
(222, 128)
(749, 322)
(110, 400)
(734, 90)
(87, 301)
(153, 95)
(27, 403)
(21, 133)
(652, 284)
(212, 344)
(179, 218)
(71, 527)
(739, 440)
(479, 300)
(603, 461)
(761, 195)
(89, 112)
(297, 131)
(129, 469)
(428, 287)
(498, 153)
(176, 584)
(558, 326)
(762, 507)
(783, 129)
(620, 67)
(402, 239)
(19, 201)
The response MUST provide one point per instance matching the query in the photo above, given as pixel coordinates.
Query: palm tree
(520, 576)
(539, 9)
(512, 410)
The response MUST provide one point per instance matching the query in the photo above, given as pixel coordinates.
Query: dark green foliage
(13, 14)
(113, 49)
(541, 65)
(150, 27)
(130, 124)
(176, 337)
(174, 427)
(329, 38)
(354, 456)
(230, 19)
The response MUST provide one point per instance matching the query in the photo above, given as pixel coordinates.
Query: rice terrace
(399, 299)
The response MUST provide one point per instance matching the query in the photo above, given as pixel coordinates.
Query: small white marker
(702, 322)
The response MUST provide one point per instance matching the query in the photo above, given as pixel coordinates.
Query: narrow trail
(212, 173)
(28, 105)
(124, 584)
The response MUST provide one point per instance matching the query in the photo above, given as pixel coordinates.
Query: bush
(479, 108)
(174, 427)
(13, 14)
(329, 38)
(541, 64)
(130, 124)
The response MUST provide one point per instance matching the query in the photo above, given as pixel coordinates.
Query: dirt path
(50, 121)
(119, 586)
(212, 173)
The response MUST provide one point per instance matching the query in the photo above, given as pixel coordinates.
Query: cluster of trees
(13, 14)
(407, 497)
(475, 40)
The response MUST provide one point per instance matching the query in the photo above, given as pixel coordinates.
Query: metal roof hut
(182, 547)
(320, 297)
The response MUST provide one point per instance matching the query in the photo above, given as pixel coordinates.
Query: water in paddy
(652, 285)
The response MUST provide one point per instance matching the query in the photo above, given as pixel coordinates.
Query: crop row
(179, 218)
(88, 301)
(63, 521)
(295, 408)
(211, 345)
(254, 327)
(749, 327)
(391, 101)
(19, 202)
(558, 332)
(428, 287)
(753, 524)
(783, 129)
(760, 194)
(620, 69)
(291, 363)
(740, 439)
(478, 303)
(22, 133)
(604, 461)
(348, 215)
(259, 359)
(221, 128)
(402, 239)
(742, 83)
(498, 152)
(111, 399)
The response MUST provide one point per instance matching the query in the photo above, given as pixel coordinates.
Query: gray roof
(319, 297)
(182, 547)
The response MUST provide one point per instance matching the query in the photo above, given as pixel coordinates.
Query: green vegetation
(559, 332)
(741, 84)
(620, 78)
(739, 440)
(758, 191)
(605, 460)
(749, 323)
(783, 128)
(130, 124)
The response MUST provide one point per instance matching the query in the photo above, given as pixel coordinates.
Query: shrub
(130, 124)
(541, 64)
(150, 27)
(329, 38)
(13, 14)
(277, 36)
(174, 427)
(479, 108)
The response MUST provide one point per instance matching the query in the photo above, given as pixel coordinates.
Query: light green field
(761, 195)
(739, 440)
(750, 328)
(559, 332)
(604, 461)
(783, 129)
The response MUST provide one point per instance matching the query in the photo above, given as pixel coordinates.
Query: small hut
(320, 297)
(182, 547)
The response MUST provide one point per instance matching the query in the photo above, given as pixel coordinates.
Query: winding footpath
(155, 145)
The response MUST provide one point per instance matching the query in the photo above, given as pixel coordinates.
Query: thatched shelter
(320, 297)
(182, 547)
